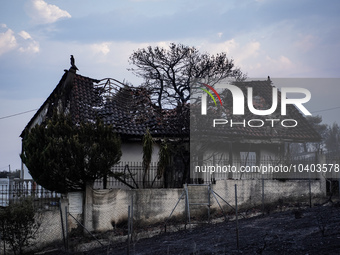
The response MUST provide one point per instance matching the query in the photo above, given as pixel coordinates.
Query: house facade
(225, 145)
(127, 109)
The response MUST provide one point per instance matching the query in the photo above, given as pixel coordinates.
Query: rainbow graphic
(209, 93)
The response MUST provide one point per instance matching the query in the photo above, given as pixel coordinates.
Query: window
(248, 158)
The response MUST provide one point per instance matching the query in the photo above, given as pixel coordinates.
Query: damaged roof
(127, 109)
(131, 112)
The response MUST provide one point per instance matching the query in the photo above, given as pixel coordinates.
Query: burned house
(217, 138)
(130, 112)
(246, 140)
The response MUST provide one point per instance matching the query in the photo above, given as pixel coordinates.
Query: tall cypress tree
(62, 156)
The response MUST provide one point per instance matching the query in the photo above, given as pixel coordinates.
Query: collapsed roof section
(128, 109)
(131, 112)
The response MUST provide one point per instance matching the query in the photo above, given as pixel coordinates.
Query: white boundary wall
(106, 208)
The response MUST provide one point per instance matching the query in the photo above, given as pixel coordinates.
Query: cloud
(255, 59)
(240, 52)
(250, 50)
(44, 13)
(25, 35)
(306, 43)
(8, 41)
(29, 45)
(282, 62)
(102, 48)
(22, 41)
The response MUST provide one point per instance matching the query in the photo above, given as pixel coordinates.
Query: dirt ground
(298, 231)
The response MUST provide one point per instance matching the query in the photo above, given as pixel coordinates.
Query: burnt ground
(300, 231)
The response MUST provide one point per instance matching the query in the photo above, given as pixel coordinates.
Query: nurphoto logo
(238, 98)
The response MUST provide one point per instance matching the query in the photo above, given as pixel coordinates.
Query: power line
(16, 114)
(20, 113)
(324, 110)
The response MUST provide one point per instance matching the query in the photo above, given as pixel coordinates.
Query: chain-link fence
(122, 218)
(111, 218)
(30, 224)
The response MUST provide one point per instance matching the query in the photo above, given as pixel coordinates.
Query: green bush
(18, 225)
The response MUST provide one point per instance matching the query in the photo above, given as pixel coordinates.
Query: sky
(279, 38)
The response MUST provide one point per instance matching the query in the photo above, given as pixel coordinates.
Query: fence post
(262, 195)
(187, 206)
(322, 160)
(66, 226)
(339, 187)
(62, 224)
(4, 243)
(183, 193)
(209, 203)
(10, 189)
(237, 237)
(129, 225)
(310, 191)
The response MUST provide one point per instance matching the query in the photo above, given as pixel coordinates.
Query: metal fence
(46, 229)
(247, 167)
(132, 175)
(13, 190)
(196, 204)
(181, 209)
(224, 201)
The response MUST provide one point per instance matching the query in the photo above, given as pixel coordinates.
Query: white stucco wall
(109, 207)
(133, 152)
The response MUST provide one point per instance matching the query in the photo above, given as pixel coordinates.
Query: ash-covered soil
(301, 231)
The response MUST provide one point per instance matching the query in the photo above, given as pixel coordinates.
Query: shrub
(18, 225)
